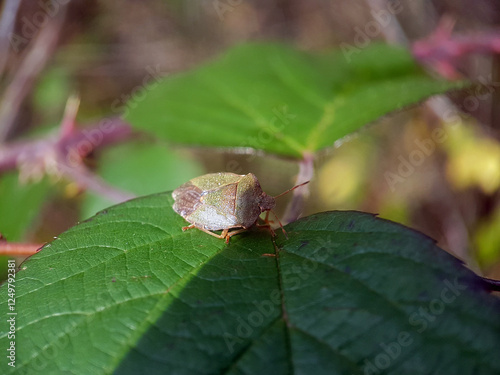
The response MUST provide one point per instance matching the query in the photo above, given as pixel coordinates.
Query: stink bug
(223, 201)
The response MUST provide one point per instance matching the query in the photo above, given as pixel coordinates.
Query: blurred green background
(105, 49)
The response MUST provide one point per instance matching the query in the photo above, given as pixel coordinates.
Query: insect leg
(230, 234)
(267, 226)
(281, 225)
(225, 233)
(188, 227)
(222, 235)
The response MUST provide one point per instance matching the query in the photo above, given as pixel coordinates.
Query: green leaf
(141, 168)
(277, 99)
(19, 204)
(129, 292)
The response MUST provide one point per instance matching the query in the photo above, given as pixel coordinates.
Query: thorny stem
(68, 122)
(441, 49)
(11, 155)
(296, 205)
(62, 156)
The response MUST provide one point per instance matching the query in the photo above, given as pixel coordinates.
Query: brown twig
(25, 76)
(7, 23)
(392, 33)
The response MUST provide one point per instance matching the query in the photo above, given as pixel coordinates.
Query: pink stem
(16, 249)
(296, 205)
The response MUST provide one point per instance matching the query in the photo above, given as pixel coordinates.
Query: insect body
(222, 201)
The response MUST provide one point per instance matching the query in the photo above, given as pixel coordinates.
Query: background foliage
(452, 196)
(180, 70)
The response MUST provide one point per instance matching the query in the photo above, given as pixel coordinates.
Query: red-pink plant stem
(296, 205)
(66, 153)
(12, 154)
(16, 249)
(456, 46)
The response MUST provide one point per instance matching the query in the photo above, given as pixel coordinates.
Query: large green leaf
(141, 168)
(280, 100)
(129, 292)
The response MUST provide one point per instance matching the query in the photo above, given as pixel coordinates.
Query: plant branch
(16, 249)
(7, 23)
(25, 76)
(79, 142)
(62, 156)
(441, 49)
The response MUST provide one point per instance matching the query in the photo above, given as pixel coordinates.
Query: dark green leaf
(280, 100)
(128, 292)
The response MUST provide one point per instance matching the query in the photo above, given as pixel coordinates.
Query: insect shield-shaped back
(221, 201)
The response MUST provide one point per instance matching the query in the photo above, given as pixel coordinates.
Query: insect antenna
(279, 195)
(289, 190)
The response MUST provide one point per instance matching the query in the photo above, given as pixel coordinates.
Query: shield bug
(223, 201)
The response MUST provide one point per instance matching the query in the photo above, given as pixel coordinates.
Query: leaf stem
(17, 249)
(296, 205)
